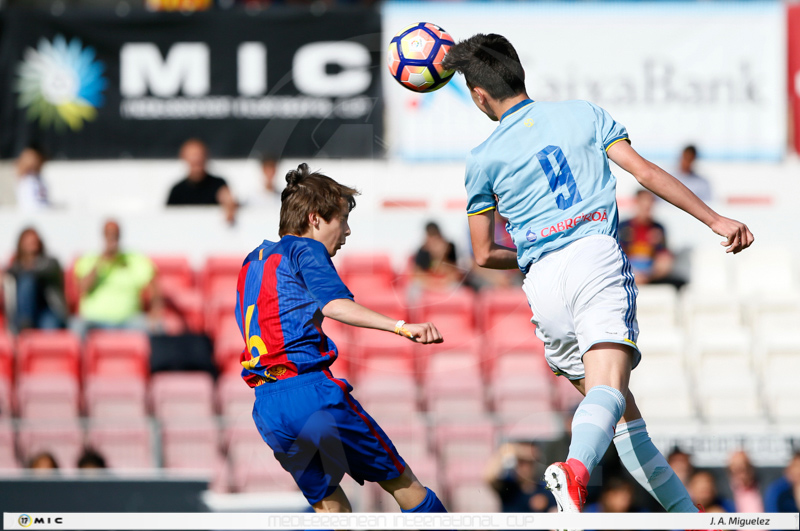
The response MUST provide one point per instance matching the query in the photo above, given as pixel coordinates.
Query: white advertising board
(674, 73)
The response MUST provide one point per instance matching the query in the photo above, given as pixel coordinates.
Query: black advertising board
(287, 82)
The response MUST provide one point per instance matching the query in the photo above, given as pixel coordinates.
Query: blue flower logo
(60, 83)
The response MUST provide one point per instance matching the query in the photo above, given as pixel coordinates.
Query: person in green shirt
(112, 287)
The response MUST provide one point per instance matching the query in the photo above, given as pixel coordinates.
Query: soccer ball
(415, 57)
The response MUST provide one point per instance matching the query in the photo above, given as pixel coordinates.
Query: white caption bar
(379, 521)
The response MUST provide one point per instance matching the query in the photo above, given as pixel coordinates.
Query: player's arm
(737, 235)
(489, 253)
(350, 312)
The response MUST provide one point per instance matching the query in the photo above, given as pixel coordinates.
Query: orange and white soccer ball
(415, 57)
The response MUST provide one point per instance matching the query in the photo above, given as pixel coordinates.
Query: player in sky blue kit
(545, 168)
(316, 429)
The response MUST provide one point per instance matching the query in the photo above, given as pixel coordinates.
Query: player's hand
(737, 236)
(421, 333)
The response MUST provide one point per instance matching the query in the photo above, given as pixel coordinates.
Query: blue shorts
(319, 432)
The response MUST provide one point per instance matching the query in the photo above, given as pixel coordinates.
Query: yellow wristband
(398, 326)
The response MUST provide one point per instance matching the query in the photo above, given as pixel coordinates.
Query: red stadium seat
(6, 374)
(176, 395)
(173, 272)
(221, 272)
(109, 397)
(410, 437)
(191, 444)
(8, 460)
(234, 397)
(498, 305)
(536, 425)
(366, 265)
(454, 440)
(253, 466)
(386, 396)
(219, 310)
(64, 440)
(376, 351)
(41, 396)
(51, 352)
(227, 352)
(119, 353)
(455, 306)
(453, 385)
(123, 446)
(188, 305)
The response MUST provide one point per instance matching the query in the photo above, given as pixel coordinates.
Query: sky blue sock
(593, 425)
(430, 504)
(646, 464)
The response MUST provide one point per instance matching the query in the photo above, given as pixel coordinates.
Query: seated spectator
(435, 265)
(685, 173)
(645, 243)
(43, 462)
(744, 484)
(515, 473)
(34, 287)
(616, 496)
(199, 187)
(112, 286)
(31, 190)
(90, 459)
(783, 495)
(681, 464)
(267, 195)
(702, 489)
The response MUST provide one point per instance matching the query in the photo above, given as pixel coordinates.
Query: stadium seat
(536, 425)
(118, 353)
(191, 443)
(63, 439)
(464, 439)
(188, 306)
(710, 271)
(366, 265)
(656, 306)
(50, 352)
(409, 435)
(452, 385)
(227, 353)
(173, 272)
(219, 310)
(667, 342)
(252, 463)
(467, 491)
(515, 363)
(234, 397)
(780, 390)
(519, 394)
(6, 375)
(41, 396)
(125, 445)
(496, 306)
(455, 307)
(220, 273)
(391, 394)
(182, 395)
(376, 351)
(721, 344)
(566, 396)
(770, 270)
(730, 395)
(703, 311)
(677, 408)
(110, 397)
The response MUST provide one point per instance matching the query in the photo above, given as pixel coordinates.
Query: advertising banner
(91, 84)
(674, 73)
(793, 25)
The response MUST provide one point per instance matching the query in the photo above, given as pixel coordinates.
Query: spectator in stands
(645, 243)
(112, 286)
(686, 174)
(267, 195)
(783, 495)
(435, 265)
(702, 489)
(744, 484)
(91, 459)
(199, 187)
(43, 461)
(515, 473)
(34, 286)
(681, 464)
(31, 190)
(615, 497)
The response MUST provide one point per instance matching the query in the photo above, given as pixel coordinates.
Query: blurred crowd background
(143, 154)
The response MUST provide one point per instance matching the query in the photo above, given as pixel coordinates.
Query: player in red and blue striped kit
(316, 429)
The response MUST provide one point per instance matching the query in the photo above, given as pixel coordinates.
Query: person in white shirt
(31, 190)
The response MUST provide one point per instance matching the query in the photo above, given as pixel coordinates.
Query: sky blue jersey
(547, 166)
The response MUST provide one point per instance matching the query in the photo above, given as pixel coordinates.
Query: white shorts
(582, 295)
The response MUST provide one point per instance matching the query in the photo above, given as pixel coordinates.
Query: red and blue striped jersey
(281, 291)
